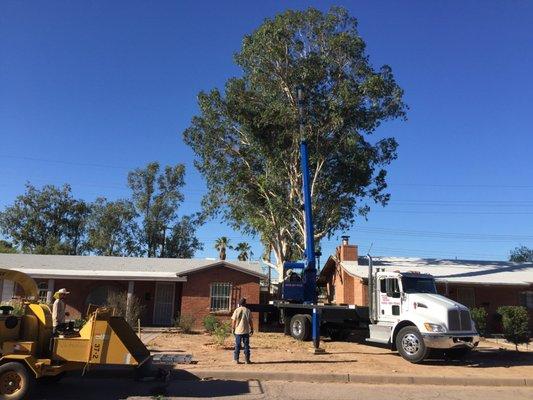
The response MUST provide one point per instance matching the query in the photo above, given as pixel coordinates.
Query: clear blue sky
(92, 89)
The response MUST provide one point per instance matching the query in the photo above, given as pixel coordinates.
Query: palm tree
(244, 249)
(221, 244)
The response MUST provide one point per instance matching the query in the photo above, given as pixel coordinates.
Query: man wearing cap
(242, 327)
(58, 310)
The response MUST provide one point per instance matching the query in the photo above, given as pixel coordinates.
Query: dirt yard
(277, 352)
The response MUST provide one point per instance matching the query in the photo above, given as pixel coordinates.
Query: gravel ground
(277, 352)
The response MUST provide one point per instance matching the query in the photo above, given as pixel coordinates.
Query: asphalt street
(125, 388)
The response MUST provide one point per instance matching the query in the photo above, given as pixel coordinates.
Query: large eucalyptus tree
(246, 137)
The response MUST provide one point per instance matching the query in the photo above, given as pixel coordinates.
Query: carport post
(129, 297)
(50, 291)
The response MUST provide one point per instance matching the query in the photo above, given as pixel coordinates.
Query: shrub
(18, 307)
(119, 300)
(185, 322)
(515, 321)
(78, 323)
(210, 323)
(479, 315)
(222, 332)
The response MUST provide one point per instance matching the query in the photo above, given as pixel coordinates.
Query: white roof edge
(102, 275)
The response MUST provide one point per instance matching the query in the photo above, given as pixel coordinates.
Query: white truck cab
(407, 313)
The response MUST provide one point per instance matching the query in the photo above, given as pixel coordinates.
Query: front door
(389, 299)
(164, 303)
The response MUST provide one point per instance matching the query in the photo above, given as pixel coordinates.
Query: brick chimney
(347, 252)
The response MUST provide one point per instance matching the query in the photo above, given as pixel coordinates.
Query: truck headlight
(434, 327)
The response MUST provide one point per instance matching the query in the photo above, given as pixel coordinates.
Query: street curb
(356, 378)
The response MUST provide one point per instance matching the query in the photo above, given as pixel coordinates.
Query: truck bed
(328, 312)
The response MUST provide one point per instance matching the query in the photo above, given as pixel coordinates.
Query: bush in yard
(18, 307)
(210, 323)
(479, 315)
(185, 322)
(119, 302)
(515, 321)
(78, 323)
(222, 332)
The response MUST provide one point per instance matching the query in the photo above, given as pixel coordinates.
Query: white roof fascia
(103, 275)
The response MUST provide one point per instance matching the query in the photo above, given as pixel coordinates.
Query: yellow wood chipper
(30, 353)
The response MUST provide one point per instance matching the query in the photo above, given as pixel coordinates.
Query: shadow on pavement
(181, 384)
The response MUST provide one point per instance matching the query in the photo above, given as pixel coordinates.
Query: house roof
(452, 271)
(118, 268)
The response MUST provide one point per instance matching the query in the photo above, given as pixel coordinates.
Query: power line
(454, 212)
(463, 203)
(454, 235)
(417, 184)
(465, 185)
(63, 162)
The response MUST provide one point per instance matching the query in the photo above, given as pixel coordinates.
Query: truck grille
(459, 320)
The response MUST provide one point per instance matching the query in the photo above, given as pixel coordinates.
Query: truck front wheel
(301, 327)
(410, 344)
(16, 382)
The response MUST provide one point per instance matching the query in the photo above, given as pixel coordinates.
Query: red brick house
(167, 287)
(488, 284)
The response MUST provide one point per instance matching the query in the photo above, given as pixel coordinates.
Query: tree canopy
(521, 254)
(112, 228)
(6, 247)
(47, 221)
(157, 197)
(243, 249)
(246, 137)
(222, 244)
(51, 221)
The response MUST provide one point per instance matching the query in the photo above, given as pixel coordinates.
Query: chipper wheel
(16, 383)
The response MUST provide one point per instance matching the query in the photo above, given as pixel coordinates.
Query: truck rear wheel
(410, 344)
(16, 382)
(301, 327)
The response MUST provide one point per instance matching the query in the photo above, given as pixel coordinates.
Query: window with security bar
(220, 296)
(526, 299)
(43, 292)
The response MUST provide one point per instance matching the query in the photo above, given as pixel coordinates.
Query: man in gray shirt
(58, 310)
(242, 327)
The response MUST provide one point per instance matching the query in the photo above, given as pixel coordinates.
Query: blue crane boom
(310, 264)
(302, 288)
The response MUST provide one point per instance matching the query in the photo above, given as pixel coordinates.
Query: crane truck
(404, 310)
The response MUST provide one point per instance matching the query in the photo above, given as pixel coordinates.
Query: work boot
(236, 362)
(248, 361)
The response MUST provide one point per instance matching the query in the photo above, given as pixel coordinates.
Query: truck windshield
(418, 285)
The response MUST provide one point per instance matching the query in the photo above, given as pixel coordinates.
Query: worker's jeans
(246, 342)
